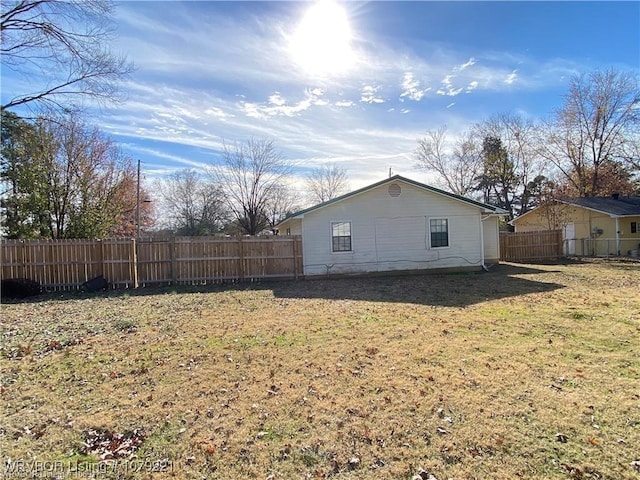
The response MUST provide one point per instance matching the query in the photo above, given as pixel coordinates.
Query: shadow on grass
(451, 289)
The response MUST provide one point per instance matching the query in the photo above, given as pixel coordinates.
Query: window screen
(341, 237)
(439, 230)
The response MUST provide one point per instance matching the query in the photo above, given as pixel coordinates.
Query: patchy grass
(524, 372)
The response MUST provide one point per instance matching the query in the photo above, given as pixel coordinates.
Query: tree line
(248, 192)
(590, 146)
(62, 178)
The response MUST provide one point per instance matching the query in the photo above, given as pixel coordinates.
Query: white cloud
(472, 86)
(217, 113)
(511, 77)
(469, 63)
(277, 100)
(411, 88)
(451, 104)
(370, 94)
(344, 103)
(447, 88)
(276, 105)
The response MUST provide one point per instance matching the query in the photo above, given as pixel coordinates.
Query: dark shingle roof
(620, 206)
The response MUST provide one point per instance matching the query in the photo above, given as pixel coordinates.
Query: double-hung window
(439, 232)
(341, 236)
(634, 227)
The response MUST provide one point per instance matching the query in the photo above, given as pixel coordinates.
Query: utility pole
(138, 204)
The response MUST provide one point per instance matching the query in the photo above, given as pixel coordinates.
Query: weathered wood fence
(129, 263)
(531, 246)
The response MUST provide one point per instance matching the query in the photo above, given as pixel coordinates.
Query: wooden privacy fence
(67, 264)
(531, 246)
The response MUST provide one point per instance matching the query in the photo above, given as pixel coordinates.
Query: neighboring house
(396, 224)
(591, 226)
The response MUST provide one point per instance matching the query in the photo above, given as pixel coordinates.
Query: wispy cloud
(447, 88)
(276, 104)
(467, 64)
(411, 88)
(471, 87)
(370, 94)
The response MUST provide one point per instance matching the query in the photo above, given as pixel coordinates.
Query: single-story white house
(396, 224)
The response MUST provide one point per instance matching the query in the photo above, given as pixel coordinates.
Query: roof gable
(398, 178)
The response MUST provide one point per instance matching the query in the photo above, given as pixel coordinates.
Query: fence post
(295, 257)
(172, 259)
(134, 263)
(99, 257)
(241, 256)
(23, 259)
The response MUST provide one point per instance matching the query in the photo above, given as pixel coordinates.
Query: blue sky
(213, 71)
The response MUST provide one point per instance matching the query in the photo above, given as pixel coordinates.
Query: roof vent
(394, 190)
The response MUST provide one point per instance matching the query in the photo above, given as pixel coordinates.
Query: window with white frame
(439, 232)
(341, 236)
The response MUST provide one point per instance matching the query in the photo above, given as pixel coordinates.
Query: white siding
(491, 239)
(392, 233)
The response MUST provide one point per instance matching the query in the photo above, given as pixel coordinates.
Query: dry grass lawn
(527, 371)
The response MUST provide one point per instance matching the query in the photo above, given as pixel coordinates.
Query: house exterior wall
(291, 227)
(584, 220)
(392, 233)
(491, 234)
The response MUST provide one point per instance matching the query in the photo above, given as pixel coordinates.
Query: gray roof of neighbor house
(490, 208)
(614, 205)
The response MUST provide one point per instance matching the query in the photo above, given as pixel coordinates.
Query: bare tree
(191, 204)
(555, 213)
(284, 200)
(630, 153)
(457, 166)
(598, 123)
(251, 174)
(65, 41)
(326, 182)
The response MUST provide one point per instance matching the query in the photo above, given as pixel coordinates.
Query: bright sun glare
(321, 43)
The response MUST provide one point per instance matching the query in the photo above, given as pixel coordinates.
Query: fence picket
(67, 264)
(531, 246)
